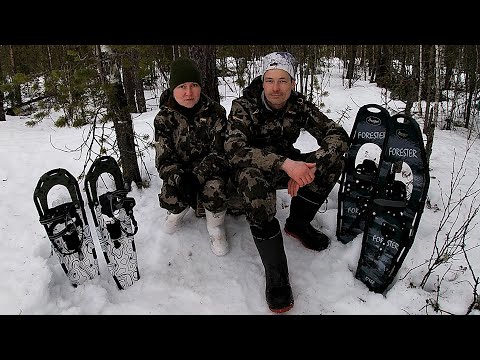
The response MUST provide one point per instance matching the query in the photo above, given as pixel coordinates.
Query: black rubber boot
(302, 212)
(269, 241)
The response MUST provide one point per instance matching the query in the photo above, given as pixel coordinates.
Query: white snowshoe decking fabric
(114, 221)
(67, 227)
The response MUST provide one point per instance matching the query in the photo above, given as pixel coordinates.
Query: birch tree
(2, 112)
(420, 79)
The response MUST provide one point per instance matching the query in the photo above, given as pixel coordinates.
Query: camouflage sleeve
(214, 164)
(238, 144)
(165, 157)
(331, 137)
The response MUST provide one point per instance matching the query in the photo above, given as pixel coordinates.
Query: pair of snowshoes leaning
(382, 192)
(68, 230)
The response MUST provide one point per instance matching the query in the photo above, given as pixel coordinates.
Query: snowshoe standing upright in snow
(359, 176)
(67, 226)
(116, 226)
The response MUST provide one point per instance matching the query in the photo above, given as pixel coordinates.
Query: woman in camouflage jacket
(189, 139)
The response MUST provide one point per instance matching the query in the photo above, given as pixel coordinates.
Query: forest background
(91, 84)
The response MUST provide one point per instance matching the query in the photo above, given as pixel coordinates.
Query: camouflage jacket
(190, 144)
(259, 137)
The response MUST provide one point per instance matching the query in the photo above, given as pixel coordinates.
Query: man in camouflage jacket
(262, 127)
(189, 137)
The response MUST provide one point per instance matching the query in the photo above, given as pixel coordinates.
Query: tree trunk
(373, 63)
(471, 90)
(428, 125)
(301, 61)
(49, 54)
(420, 80)
(16, 95)
(129, 85)
(307, 74)
(2, 112)
(140, 95)
(472, 60)
(437, 87)
(311, 65)
(122, 121)
(351, 64)
(205, 57)
(451, 54)
(410, 78)
(383, 63)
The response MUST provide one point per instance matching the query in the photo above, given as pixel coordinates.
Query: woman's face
(187, 94)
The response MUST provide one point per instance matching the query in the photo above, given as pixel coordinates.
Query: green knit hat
(184, 70)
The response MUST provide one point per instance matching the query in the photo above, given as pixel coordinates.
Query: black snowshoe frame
(392, 206)
(67, 227)
(359, 182)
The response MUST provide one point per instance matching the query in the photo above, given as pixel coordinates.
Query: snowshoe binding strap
(113, 201)
(61, 223)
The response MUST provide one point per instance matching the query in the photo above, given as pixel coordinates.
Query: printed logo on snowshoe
(402, 133)
(371, 135)
(381, 240)
(372, 120)
(403, 152)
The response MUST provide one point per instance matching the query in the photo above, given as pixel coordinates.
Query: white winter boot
(216, 230)
(172, 221)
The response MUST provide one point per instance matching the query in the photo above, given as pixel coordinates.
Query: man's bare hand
(293, 187)
(301, 172)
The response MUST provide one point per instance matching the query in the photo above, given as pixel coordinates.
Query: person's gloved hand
(189, 185)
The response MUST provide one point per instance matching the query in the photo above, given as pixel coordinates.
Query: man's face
(277, 86)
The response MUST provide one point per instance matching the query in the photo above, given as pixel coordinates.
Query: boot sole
(298, 238)
(282, 310)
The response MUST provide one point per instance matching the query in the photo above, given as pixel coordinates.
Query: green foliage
(79, 122)
(61, 121)
(107, 118)
(241, 82)
(19, 79)
(74, 88)
(38, 116)
(31, 123)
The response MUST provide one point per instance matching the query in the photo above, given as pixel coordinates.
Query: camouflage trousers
(213, 196)
(258, 189)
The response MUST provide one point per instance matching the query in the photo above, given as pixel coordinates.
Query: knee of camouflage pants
(259, 196)
(213, 196)
(323, 183)
(170, 198)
